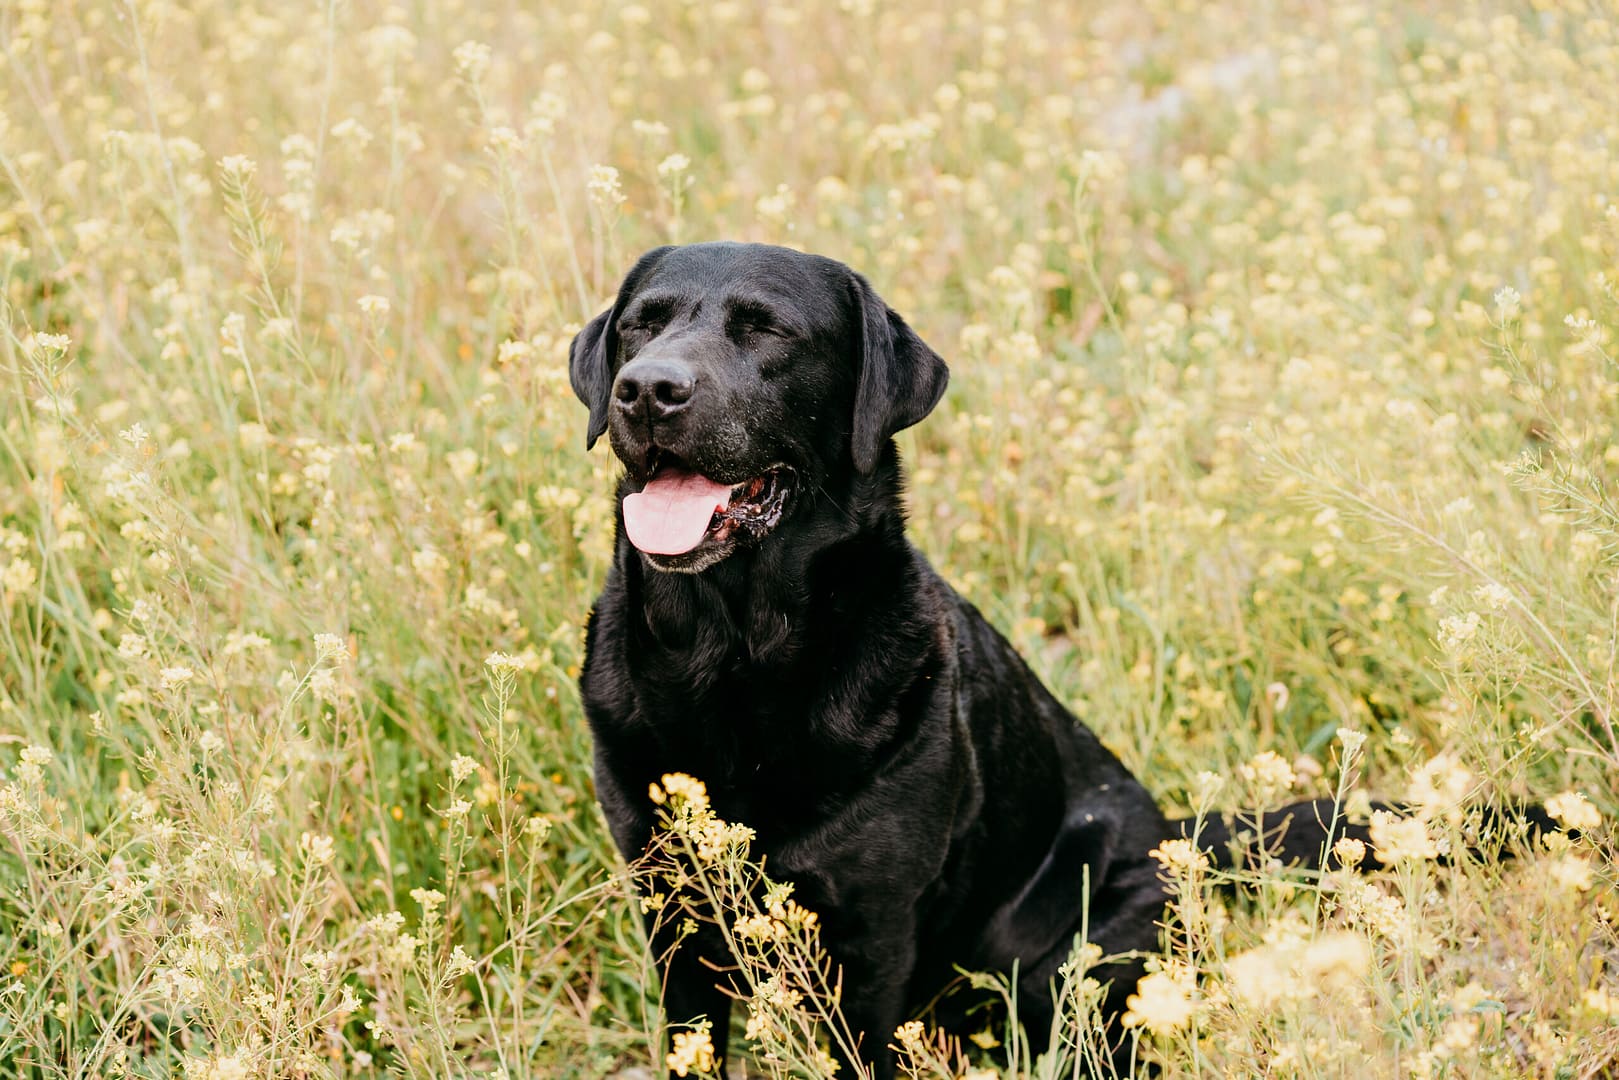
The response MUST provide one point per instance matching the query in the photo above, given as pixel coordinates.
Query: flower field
(1282, 439)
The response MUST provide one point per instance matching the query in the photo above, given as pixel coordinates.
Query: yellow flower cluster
(1293, 966)
(1164, 1001)
(770, 1000)
(1574, 811)
(1397, 838)
(691, 1052)
(685, 791)
(695, 821)
(1180, 858)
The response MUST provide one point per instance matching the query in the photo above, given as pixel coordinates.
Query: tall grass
(1284, 402)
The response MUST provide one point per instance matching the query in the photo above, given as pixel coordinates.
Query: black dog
(768, 629)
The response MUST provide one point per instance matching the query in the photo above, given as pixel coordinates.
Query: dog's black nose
(654, 385)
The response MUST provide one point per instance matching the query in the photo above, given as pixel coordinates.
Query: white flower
(18, 576)
(331, 649)
(1459, 507)
(505, 140)
(1572, 872)
(31, 763)
(252, 435)
(472, 60)
(604, 187)
(351, 130)
(175, 677)
(513, 351)
(461, 767)
(1506, 301)
(500, 663)
(1457, 630)
(318, 849)
(463, 463)
(237, 167)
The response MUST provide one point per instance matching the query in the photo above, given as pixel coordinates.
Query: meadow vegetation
(1281, 439)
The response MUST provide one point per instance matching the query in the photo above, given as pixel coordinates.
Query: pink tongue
(670, 515)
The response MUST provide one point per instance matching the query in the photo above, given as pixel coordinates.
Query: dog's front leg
(877, 970)
(691, 989)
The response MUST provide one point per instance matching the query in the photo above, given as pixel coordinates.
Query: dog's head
(735, 379)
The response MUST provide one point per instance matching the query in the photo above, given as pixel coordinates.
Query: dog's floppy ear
(901, 379)
(591, 355)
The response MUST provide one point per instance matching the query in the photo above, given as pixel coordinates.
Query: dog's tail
(1305, 834)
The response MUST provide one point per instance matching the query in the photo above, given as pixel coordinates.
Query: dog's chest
(739, 731)
(763, 743)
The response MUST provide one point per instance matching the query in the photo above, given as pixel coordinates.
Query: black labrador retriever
(767, 628)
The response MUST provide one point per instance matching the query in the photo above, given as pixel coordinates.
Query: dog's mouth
(681, 510)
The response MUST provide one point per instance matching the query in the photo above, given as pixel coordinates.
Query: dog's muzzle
(678, 510)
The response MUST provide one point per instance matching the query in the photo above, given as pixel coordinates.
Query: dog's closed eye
(748, 318)
(647, 325)
(647, 318)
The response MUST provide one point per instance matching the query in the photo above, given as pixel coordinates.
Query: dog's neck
(751, 660)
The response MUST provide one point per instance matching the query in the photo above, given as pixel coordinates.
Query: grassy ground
(1284, 402)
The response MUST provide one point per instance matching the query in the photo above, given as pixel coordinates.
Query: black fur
(899, 762)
